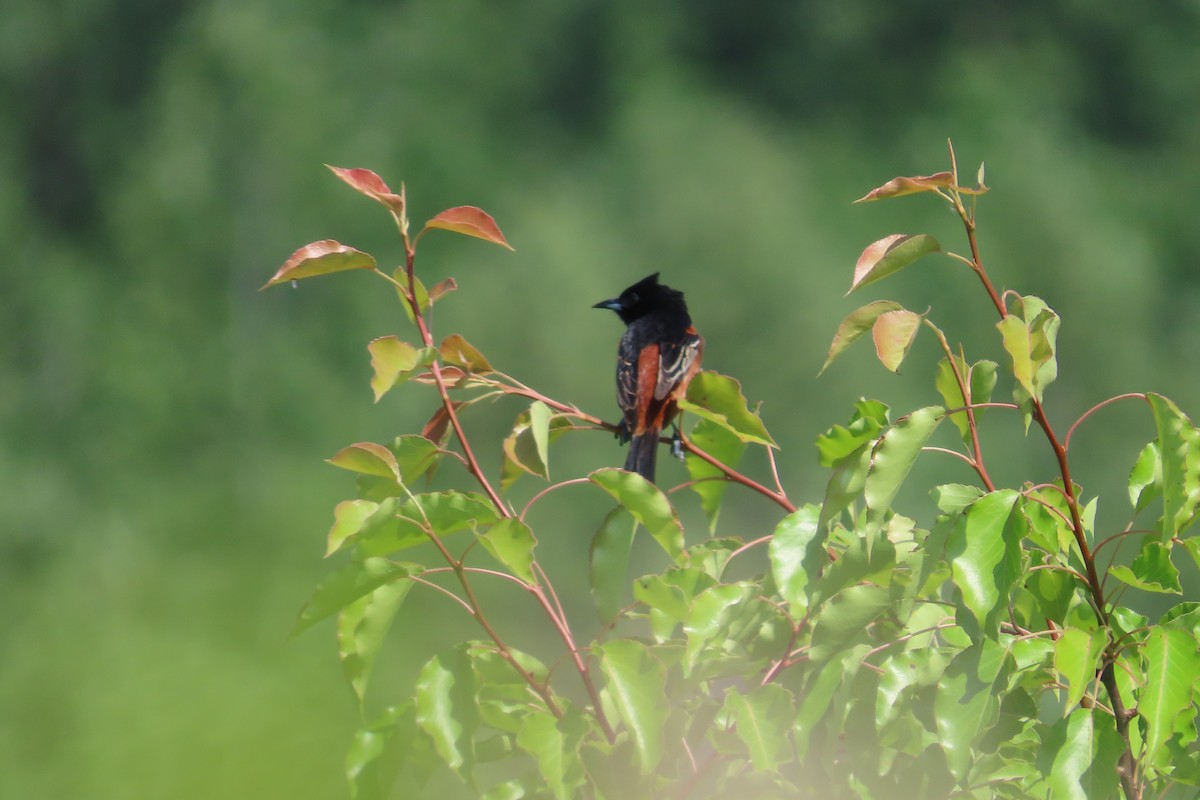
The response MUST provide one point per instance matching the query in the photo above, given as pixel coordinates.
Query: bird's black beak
(611, 305)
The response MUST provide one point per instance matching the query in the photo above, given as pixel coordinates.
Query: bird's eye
(633, 298)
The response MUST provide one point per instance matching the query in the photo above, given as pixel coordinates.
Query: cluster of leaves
(981, 655)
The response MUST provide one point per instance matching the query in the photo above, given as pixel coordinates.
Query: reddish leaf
(894, 333)
(320, 258)
(470, 221)
(457, 350)
(442, 287)
(438, 427)
(890, 254)
(856, 323)
(370, 184)
(898, 187)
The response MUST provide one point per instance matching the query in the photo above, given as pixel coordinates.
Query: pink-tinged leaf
(469, 221)
(368, 458)
(370, 184)
(856, 323)
(894, 333)
(321, 258)
(442, 287)
(898, 187)
(890, 254)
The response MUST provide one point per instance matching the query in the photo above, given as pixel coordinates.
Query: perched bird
(657, 357)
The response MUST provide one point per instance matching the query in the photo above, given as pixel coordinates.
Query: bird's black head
(644, 297)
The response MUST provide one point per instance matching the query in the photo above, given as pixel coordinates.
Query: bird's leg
(623, 434)
(676, 442)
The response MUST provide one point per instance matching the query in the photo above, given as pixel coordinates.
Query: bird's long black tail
(642, 450)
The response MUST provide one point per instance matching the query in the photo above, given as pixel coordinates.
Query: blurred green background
(164, 424)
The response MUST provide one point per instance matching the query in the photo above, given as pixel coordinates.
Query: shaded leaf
(709, 482)
(368, 458)
(1030, 337)
(637, 686)
(1145, 479)
(890, 255)
(442, 288)
(393, 361)
(647, 504)
(845, 618)
(1151, 570)
(554, 751)
(1068, 747)
(348, 584)
(1077, 657)
(469, 221)
(855, 325)
(609, 561)
(361, 627)
(967, 701)
(896, 452)
(980, 379)
(894, 333)
(763, 716)
(446, 709)
(320, 258)
(719, 398)
(1179, 448)
(458, 351)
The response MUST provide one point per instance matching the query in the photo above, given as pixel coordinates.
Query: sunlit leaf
(320, 258)
(900, 186)
(903, 673)
(719, 398)
(855, 325)
(708, 617)
(436, 513)
(511, 543)
(1145, 479)
(1179, 448)
(984, 549)
(797, 556)
(763, 716)
(393, 361)
(838, 443)
(967, 701)
(707, 481)
(457, 350)
(1069, 747)
(1172, 662)
(1030, 336)
(469, 221)
(647, 504)
(894, 333)
(980, 380)
(347, 584)
(1151, 570)
(555, 751)
(896, 452)
(889, 255)
(670, 595)
(370, 184)
(527, 446)
(368, 458)
(1077, 657)
(637, 686)
(376, 760)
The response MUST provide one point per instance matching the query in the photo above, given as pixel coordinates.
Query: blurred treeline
(163, 423)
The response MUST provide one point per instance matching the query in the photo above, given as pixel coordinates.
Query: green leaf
(393, 361)
(980, 379)
(669, 597)
(637, 686)
(845, 618)
(707, 481)
(539, 426)
(797, 556)
(1077, 657)
(438, 513)
(1145, 479)
(764, 717)
(1172, 661)
(387, 751)
(951, 498)
(709, 616)
(361, 627)
(368, 458)
(967, 701)
(1179, 446)
(840, 443)
(1029, 335)
(889, 255)
(904, 673)
(446, 709)
(895, 454)
(320, 258)
(1151, 571)
(511, 543)
(555, 751)
(870, 558)
(458, 351)
(469, 221)
(347, 584)
(527, 447)
(1069, 746)
(609, 561)
(854, 326)
(647, 504)
(719, 398)
(984, 550)
(894, 333)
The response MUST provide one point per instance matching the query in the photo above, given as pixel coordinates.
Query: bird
(659, 353)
